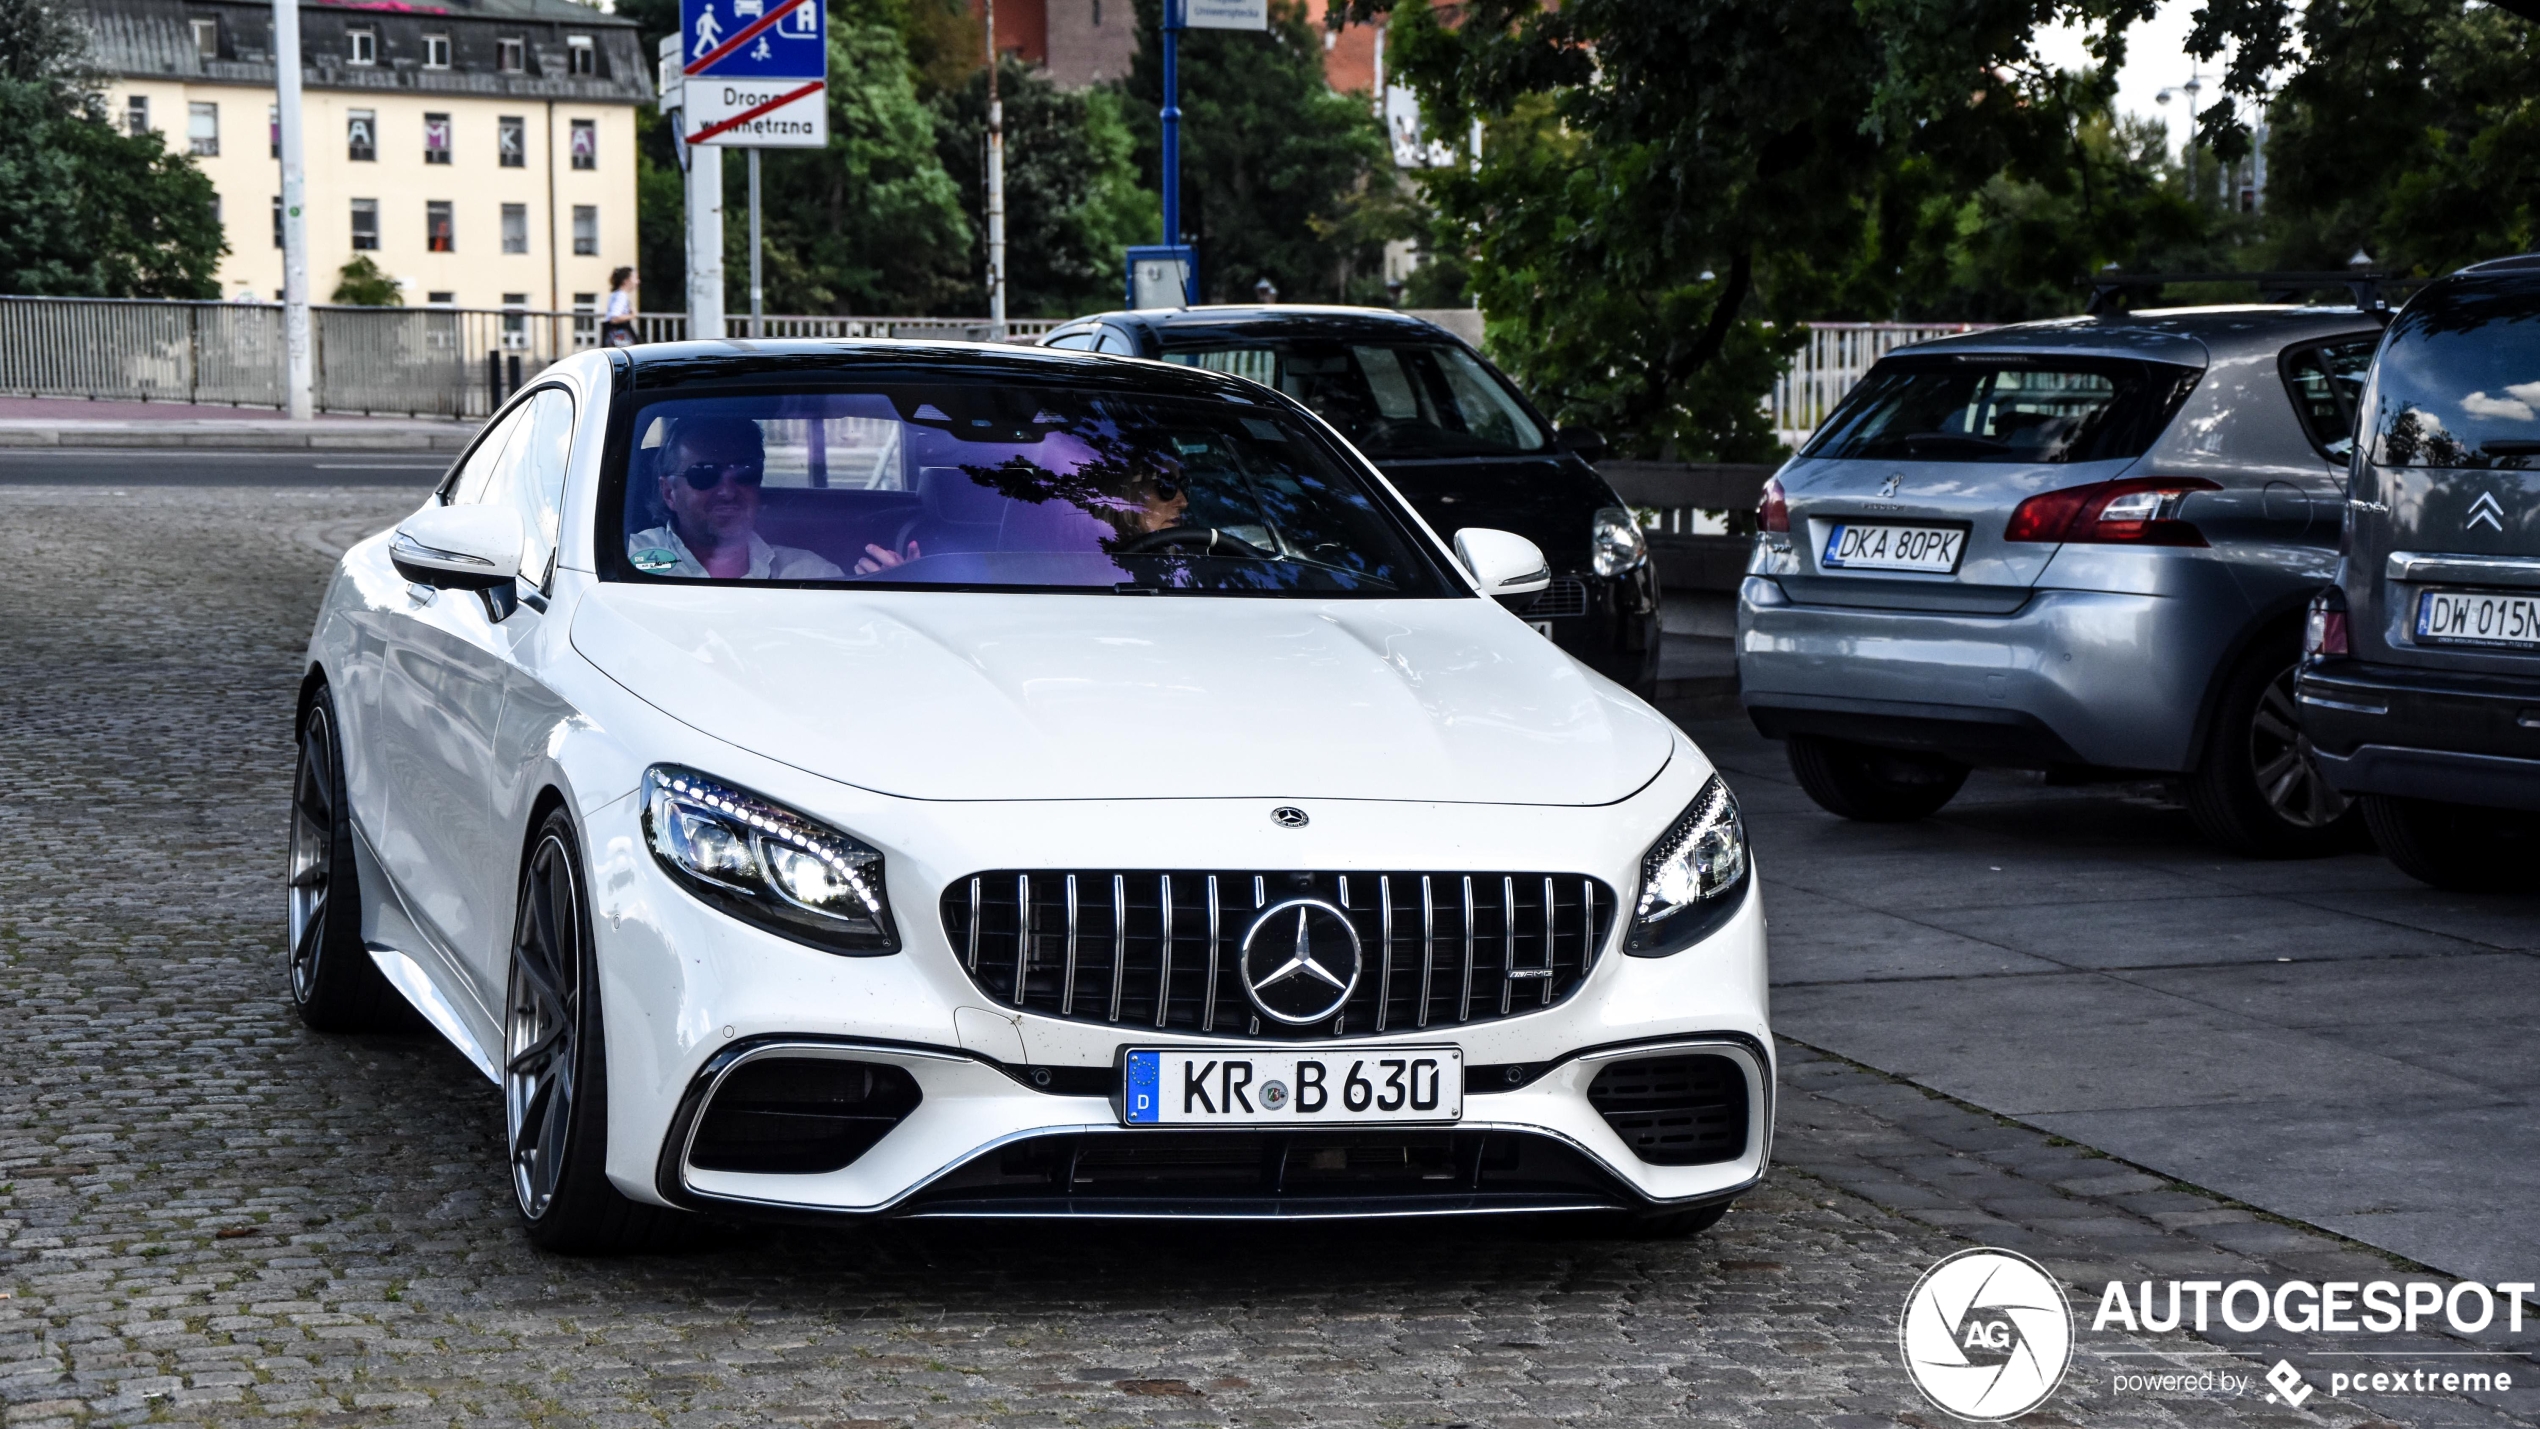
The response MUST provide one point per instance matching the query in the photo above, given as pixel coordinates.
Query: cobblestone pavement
(208, 1215)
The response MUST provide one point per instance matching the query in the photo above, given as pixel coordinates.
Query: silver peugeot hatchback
(2081, 545)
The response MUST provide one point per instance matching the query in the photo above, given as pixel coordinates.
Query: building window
(441, 300)
(206, 38)
(580, 56)
(510, 56)
(436, 52)
(511, 142)
(277, 220)
(273, 129)
(361, 134)
(515, 228)
(437, 237)
(586, 230)
(586, 319)
(136, 115)
(361, 46)
(202, 129)
(586, 144)
(436, 138)
(365, 224)
(515, 321)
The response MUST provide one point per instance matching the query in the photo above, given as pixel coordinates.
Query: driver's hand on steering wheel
(878, 558)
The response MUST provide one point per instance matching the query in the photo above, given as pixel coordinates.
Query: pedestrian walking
(617, 322)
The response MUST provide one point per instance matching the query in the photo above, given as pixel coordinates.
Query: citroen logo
(1300, 961)
(1888, 487)
(2485, 510)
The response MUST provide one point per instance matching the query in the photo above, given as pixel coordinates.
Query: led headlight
(1615, 543)
(765, 864)
(1693, 878)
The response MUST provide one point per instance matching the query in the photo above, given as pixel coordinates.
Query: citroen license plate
(1866, 546)
(1180, 1086)
(2479, 617)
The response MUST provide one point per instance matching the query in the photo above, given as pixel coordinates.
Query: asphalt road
(210, 1215)
(48, 466)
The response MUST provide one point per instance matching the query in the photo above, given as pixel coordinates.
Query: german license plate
(1860, 546)
(2478, 617)
(1182, 1087)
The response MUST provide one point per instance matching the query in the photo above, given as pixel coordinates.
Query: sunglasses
(707, 475)
(1164, 490)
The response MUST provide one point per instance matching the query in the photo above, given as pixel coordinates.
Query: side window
(2325, 383)
(470, 486)
(530, 476)
(1114, 340)
(1074, 341)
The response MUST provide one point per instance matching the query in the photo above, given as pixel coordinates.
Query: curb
(236, 436)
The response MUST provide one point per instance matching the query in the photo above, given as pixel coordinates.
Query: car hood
(957, 695)
(1546, 499)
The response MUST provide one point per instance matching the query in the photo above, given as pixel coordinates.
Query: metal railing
(1835, 357)
(416, 362)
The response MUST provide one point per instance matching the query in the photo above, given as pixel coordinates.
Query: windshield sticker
(655, 559)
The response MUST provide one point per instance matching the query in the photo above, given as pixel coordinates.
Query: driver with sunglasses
(711, 469)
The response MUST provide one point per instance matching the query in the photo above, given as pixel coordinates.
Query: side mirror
(1586, 443)
(1502, 562)
(459, 547)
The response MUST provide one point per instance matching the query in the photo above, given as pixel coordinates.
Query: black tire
(2459, 847)
(334, 984)
(555, 1068)
(1875, 786)
(2255, 789)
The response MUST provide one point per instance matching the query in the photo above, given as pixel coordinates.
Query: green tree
(1072, 200)
(360, 284)
(92, 212)
(1281, 178)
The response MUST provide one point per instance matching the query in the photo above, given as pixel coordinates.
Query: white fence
(445, 362)
(1835, 357)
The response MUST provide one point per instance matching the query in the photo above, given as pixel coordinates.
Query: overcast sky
(2156, 59)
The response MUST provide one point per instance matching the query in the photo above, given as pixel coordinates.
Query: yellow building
(480, 152)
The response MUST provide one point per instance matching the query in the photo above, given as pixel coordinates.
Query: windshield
(1393, 400)
(2459, 380)
(2004, 408)
(978, 485)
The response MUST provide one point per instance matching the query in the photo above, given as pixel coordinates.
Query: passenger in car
(711, 469)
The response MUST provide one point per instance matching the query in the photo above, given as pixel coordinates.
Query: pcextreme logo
(1986, 1335)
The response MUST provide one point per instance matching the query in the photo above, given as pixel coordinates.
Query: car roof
(660, 365)
(2190, 336)
(1256, 322)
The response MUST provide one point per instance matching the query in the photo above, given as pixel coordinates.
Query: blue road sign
(754, 39)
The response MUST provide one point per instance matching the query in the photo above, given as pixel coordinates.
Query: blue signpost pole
(1172, 125)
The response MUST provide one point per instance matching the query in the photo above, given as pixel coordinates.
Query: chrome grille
(1158, 950)
(1563, 597)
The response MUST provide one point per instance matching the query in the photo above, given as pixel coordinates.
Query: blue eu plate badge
(1142, 1105)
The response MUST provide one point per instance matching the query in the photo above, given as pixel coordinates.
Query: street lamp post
(1172, 116)
(299, 370)
(2195, 85)
(996, 186)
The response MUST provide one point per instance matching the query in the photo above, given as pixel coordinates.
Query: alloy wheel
(2288, 777)
(542, 1031)
(312, 851)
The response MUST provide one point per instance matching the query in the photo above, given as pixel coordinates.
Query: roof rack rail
(2108, 291)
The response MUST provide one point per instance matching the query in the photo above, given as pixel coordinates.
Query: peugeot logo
(2485, 510)
(1289, 816)
(1888, 487)
(1300, 961)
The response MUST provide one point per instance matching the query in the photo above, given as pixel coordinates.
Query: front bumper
(2071, 677)
(2451, 737)
(687, 993)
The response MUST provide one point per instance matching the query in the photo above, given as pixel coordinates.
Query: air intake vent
(800, 1115)
(1564, 597)
(1685, 1110)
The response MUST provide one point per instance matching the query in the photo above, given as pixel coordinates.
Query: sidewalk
(72, 423)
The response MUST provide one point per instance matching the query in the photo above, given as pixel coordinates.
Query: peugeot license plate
(1860, 546)
(2479, 617)
(1178, 1086)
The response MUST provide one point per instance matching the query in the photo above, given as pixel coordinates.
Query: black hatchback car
(1455, 437)
(2421, 685)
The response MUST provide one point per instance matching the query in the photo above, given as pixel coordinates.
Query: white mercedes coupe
(940, 780)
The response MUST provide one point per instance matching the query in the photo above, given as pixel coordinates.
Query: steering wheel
(1199, 540)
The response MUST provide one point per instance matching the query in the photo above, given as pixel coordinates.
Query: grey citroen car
(2083, 545)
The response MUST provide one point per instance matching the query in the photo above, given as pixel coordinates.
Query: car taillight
(1773, 512)
(2325, 632)
(2142, 511)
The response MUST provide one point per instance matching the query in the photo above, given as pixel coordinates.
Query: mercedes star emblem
(1321, 965)
(1289, 816)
